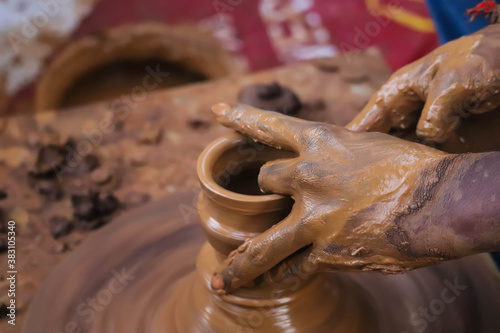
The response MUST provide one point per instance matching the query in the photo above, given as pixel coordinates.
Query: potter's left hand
(349, 189)
(457, 79)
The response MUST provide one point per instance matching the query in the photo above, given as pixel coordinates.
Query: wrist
(453, 212)
(414, 219)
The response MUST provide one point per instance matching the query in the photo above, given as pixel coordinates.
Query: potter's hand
(459, 78)
(350, 190)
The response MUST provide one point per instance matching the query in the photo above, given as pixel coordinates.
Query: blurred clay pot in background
(131, 59)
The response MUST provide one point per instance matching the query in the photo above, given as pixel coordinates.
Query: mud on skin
(154, 249)
(455, 80)
(363, 201)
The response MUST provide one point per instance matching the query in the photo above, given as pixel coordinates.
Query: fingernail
(220, 109)
(217, 283)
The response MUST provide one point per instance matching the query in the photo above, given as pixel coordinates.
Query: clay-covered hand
(350, 188)
(457, 79)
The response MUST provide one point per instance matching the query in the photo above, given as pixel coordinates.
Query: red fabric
(346, 23)
(486, 7)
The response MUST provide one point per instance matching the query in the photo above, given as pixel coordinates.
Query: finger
(448, 103)
(440, 117)
(373, 117)
(393, 106)
(263, 252)
(277, 176)
(298, 265)
(269, 127)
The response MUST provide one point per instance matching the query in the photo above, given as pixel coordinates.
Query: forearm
(456, 210)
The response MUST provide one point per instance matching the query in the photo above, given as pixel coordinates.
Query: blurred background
(104, 104)
(80, 51)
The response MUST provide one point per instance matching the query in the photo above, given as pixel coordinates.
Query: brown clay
(406, 205)
(154, 249)
(272, 97)
(449, 84)
(167, 168)
(160, 248)
(197, 55)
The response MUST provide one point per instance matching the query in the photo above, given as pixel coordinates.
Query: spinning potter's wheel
(149, 249)
(138, 275)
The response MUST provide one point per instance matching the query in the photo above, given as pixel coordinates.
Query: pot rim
(205, 165)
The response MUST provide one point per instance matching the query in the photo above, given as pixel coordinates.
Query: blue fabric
(450, 20)
(496, 257)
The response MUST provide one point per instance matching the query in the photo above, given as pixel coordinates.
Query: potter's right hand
(351, 189)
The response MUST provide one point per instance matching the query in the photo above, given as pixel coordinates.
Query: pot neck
(230, 206)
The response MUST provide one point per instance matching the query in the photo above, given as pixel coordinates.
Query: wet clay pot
(156, 248)
(131, 59)
(232, 209)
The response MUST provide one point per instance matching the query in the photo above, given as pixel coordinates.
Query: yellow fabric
(400, 15)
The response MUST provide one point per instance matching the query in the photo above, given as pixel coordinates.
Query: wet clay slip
(440, 96)
(145, 272)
